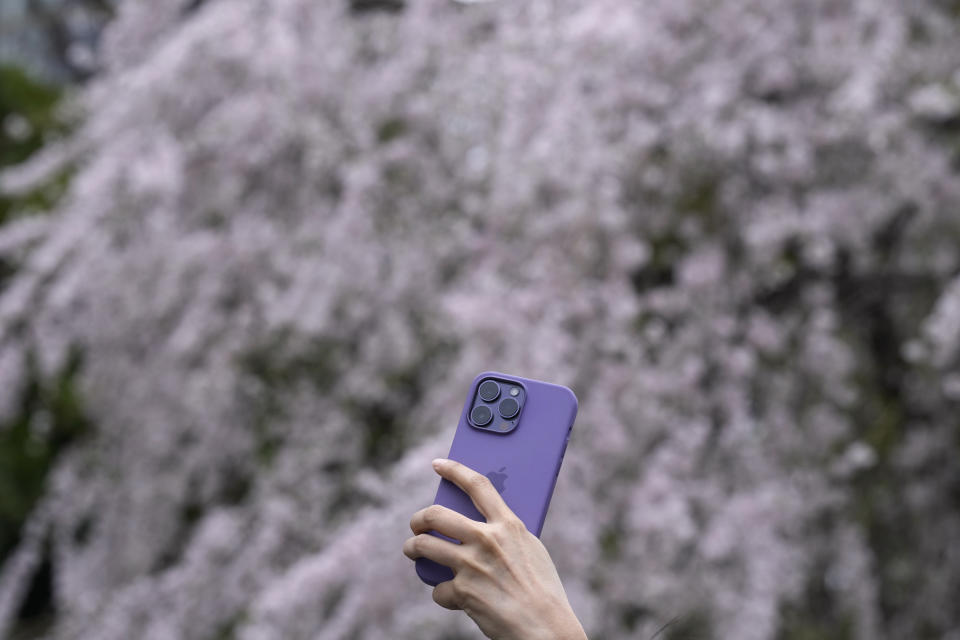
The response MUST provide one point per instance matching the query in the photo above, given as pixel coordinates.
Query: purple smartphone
(514, 431)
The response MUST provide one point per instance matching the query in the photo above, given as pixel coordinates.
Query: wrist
(572, 631)
(564, 626)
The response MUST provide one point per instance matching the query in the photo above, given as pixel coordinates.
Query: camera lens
(509, 408)
(489, 390)
(481, 415)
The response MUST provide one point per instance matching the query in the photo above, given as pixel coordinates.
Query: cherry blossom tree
(297, 229)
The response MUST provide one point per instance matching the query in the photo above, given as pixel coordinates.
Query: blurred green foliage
(49, 418)
(28, 119)
(50, 415)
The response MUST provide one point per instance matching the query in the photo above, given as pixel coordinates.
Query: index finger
(485, 498)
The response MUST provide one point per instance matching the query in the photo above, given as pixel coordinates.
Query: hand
(504, 578)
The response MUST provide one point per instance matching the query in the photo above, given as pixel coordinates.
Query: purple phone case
(530, 455)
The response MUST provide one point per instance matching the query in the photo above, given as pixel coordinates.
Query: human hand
(504, 578)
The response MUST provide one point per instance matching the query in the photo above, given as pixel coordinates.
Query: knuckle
(443, 596)
(487, 538)
(515, 526)
(508, 531)
(418, 545)
(502, 533)
(462, 594)
(480, 482)
(454, 591)
(433, 514)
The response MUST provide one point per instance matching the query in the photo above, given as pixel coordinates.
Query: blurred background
(252, 253)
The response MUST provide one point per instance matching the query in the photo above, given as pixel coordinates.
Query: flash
(514, 391)
(504, 426)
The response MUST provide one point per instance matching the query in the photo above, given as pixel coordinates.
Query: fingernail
(438, 462)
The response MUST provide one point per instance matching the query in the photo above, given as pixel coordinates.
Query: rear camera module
(481, 415)
(509, 408)
(489, 390)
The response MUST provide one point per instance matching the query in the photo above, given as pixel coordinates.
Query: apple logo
(498, 478)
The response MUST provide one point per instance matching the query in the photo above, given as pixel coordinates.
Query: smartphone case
(529, 456)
